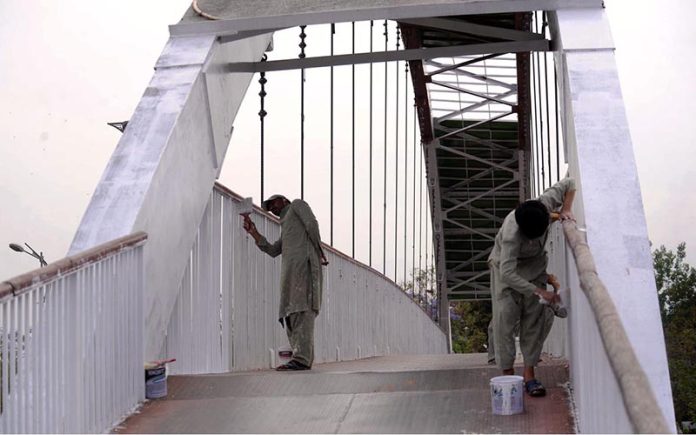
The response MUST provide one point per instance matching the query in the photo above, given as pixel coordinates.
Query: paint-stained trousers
(513, 312)
(300, 330)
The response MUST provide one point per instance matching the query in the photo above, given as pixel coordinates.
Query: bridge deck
(392, 394)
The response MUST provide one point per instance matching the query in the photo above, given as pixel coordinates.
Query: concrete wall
(226, 315)
(609, 205)
(160, 175)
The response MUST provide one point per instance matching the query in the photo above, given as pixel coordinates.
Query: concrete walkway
(392, 394)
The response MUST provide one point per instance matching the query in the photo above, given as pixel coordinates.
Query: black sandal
(292, 365)
(535, 388)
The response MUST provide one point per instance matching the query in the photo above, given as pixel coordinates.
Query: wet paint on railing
(226, 315)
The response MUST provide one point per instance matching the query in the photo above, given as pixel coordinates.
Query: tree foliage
(469, 325)
(468, 320)
(676, 287)
(422, 288)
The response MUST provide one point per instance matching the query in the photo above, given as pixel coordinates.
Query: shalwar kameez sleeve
(509, 252)
(553, 197)
(273, 250)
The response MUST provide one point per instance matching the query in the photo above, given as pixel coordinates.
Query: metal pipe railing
(638, 397)
(71, 341)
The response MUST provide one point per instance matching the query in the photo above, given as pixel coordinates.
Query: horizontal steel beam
(236, 36)
(474, 29)
(389, 56)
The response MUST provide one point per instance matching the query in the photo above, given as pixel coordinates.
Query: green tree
(468, 320)
(676, 287)
(469, 325)
(422, 288)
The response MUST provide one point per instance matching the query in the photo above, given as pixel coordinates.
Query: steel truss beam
(460, 196)
(475, 94)
(473, 107)
(480, 175)
(462, 26)
(482, 254)
(389, 56)
(445, 68)
(430, 153)
(478, 159)
(482, 213)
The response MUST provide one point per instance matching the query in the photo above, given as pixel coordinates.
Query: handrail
(224, 190)
(214, 326)
(232, 194)
(638, 397)
(20, 284)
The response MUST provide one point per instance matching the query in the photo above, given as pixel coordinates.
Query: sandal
(535, 388)
(292, 365)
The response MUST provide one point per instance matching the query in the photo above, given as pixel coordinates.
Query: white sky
(68, 67)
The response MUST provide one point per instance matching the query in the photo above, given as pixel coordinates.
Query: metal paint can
(156, 382)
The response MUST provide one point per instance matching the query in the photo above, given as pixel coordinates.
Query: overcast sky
(68, 67)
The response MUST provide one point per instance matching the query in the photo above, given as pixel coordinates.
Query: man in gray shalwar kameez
(518, 280)
(300, 276)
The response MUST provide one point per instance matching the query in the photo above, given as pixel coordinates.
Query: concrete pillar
(609, 205)
(161, 174)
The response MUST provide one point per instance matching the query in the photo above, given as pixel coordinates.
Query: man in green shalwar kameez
(518, 280)
(300, 276)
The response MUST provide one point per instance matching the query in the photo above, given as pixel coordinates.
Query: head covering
(533, 218)
(270, 199)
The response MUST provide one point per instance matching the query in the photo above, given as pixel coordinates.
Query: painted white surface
(557, 343)
(159, 178)
(609, 205)
(274, 14)
(226, 315)
(71, 349)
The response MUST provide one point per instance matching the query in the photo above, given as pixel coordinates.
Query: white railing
(562, 265)
(597, 382)
(71, 347)
(226, 314)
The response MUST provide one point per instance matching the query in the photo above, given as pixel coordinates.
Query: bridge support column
(609, 205)
(160, 176)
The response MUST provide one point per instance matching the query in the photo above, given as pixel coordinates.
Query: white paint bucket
(284, 354)
(156, 382)
(507, 395)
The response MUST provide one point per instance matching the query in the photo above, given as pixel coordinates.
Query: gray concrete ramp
(392, 394)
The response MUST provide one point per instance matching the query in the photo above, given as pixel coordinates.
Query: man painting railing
(518, 280)
(301, 275)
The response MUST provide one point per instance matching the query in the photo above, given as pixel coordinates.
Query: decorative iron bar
(262, 116)
(550, 161)
(302, 55)
(350, 130)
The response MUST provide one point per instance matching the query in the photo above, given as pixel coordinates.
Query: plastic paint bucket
(507, 395)
(284, 354)
(156, 382)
